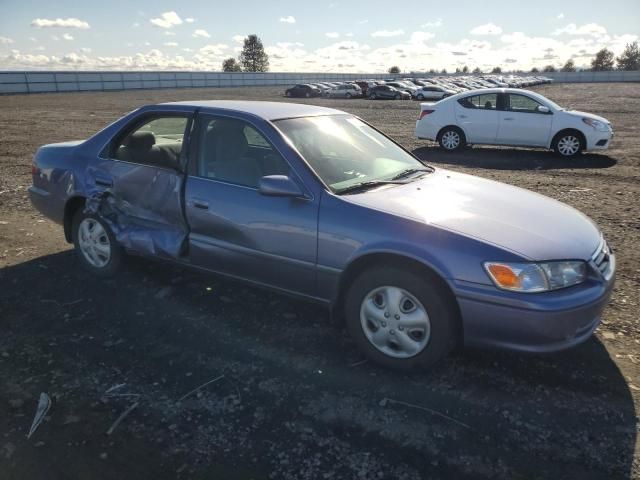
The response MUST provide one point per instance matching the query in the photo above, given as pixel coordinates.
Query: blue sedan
(315, 202)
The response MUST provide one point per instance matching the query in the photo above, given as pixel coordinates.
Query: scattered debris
(44, 404)
(164, 293)
(608, 335)
(200, 387)
(122, 416)
(361, 362)
(385, 401)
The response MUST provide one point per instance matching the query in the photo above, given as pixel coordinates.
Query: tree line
(253, 58)
(603, 61)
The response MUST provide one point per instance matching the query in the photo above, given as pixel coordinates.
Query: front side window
(522, 103)
(233, 151)
(157, 142)
(343, 150)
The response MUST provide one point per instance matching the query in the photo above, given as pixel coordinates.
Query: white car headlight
(536, 277)
(596, 124)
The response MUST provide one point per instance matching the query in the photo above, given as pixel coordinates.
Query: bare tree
(253, 57)
(603, 61)
(630, 58)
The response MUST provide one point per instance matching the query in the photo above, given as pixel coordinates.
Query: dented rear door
(136, 184)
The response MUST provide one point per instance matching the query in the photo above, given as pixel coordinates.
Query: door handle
(201, 204)
(463, 116)
(508, 119)
(104, 182)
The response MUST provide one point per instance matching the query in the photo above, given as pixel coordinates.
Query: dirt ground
(292, 399)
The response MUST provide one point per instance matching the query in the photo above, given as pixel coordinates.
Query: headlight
(536, 277)
(596, 124)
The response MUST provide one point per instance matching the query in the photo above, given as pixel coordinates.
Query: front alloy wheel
(568, 145)
(395, 322)
(96, 246)
(400, 318)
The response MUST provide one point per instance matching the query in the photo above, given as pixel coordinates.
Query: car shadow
(511, 158)
(566, 415)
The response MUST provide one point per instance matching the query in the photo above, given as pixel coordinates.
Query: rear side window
(487, 101)
(157, 142)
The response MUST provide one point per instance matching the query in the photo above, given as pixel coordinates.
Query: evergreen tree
(253, 57)
(603, 61)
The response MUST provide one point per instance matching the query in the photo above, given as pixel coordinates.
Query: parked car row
(432, 88)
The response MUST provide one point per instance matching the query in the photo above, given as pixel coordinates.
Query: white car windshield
(344, 151)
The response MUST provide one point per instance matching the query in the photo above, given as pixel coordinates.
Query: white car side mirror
(543, 109)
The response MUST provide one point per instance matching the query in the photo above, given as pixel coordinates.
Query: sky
(312, 36)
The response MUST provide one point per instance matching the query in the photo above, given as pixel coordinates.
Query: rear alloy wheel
(95, 245)
(451, 139)
(400, 319)
(420, 96)
(567, 145)
(307, 95)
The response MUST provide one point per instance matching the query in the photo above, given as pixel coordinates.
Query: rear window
(487, 101)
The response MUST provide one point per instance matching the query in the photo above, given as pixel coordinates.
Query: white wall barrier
(65, 81)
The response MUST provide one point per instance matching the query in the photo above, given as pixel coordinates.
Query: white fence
(65, 81)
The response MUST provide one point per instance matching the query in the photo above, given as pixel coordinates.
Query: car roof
(482, 91)
(266, 110)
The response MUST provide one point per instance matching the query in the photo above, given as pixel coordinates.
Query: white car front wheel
(567, 144)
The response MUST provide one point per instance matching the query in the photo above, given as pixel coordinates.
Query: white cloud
(189, 19)
(592, 29)
(238, 38)
(167, 20)
(170, 44)
(350, 34)
(332, 34)
(421, 37)
(560, 16)
(85, 50)
(214, 49)
(169, 33)
(60, 22)
(5, 40)
(363, 21)
(486, 29)
(387, 33)
(200, 33)
(288, 19)
(67, 36)
(147, 44)
(436, 23)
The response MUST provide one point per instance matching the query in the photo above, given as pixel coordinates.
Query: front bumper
(537, 323)
(599, 140)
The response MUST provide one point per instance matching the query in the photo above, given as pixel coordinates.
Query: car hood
(523, 222)
(577, 113)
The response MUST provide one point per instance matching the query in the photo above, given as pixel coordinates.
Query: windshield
(344, 151)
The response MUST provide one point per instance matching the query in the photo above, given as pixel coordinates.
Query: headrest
(140, 140)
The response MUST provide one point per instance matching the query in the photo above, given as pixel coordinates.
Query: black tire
(116, 251)
(449, 146)
(398, 96)
(348, 95)
(563, 139)
(307, 95)
(428, 290)
(420, 96)
(373, 96)
(287, 94)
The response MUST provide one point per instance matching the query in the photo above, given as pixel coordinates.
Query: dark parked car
(303, 90)
(388, 92)
(315, 202)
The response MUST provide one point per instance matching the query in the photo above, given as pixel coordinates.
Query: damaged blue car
(315, 202)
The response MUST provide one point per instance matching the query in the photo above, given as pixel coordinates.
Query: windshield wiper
(409, 171)
(368, 184)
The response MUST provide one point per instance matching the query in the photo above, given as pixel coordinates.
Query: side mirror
(543, 109)
(279, 186)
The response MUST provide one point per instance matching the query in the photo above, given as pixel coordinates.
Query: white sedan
(433, 92)
(509, 116)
